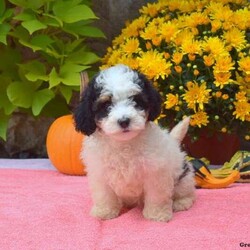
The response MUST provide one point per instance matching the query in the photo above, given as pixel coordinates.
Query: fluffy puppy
(130, 160)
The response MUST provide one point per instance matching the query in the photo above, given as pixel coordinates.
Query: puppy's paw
(104, 213)
(163, 214)
(183, 203)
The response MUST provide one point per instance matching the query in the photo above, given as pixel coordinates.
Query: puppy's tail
(180, 130)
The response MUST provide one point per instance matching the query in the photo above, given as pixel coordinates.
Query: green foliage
(43, 50)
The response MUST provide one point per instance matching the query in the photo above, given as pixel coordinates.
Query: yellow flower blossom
(171, 100)
(242, 110)
(151, 9)
(199, 119)
(208, 60)
(223, 64)
(241, 18)
(222, 79)
(132, 62)
(235, 38)
(196, 95)
(131, 46)
(168, 30)
(182, 36)
(219, 12)
(241, 96)
(215, 46)
(216, 24)
(150, 32)
(244, 64)
(191, 47)
(154, 65)
(177, 57)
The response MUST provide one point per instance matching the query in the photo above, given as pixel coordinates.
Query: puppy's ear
(154, 98)
(84, 115)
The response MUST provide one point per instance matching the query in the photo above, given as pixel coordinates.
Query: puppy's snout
(124, 122)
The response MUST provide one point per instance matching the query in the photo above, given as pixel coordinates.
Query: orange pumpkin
(64, 146)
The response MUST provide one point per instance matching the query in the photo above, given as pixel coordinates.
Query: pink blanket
(47, 210)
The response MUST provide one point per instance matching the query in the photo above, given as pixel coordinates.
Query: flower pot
(217, 148)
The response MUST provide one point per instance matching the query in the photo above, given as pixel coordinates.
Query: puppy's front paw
(104, 213)
(183, 204)
(163, 214)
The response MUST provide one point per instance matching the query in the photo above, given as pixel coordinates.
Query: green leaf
(91, 32)
(32, 4)
(33, 25)
(4, 29)
(51, 20)
(54, 78)
(34, 71)
(21, 94)
(6, 15)
(70, 73)
(66, 92)
(3, 125)
(26, 15)
(2, 7)
(83, 57)
(40, 99)
(5, 103)
(41, 41)
(71, 14)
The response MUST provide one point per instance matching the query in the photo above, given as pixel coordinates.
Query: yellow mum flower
(222, 78)
(219, 12)
(223, 64)
(131, 46)
(196, 95)
(208, 60)
(133, 29)
(241, 18)
(195, 19)
(150, 32)
(183, 35)
(130, 61)
(244, 64)
(171, 101)
(151, 9)
(191, 47)
(168, 31)
(241, 96)
(154, 65)
(242, 110)
(114, 57)
(199, 119)
(235, 38)
(216, 24)
(177, 57)
(215, 46)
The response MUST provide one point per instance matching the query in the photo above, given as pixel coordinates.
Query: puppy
(130, 160)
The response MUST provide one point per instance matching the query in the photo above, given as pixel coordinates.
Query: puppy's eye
(104, 105)
(140, 101)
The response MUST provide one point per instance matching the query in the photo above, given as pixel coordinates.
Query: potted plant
(196, 53)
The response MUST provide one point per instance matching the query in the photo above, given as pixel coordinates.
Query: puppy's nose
(124, 122)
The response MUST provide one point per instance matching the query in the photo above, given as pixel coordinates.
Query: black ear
(84, 115)
(154, 98)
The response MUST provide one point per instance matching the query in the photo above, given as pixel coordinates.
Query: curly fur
(133, 162)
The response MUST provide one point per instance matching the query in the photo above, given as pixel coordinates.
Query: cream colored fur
(143, 170)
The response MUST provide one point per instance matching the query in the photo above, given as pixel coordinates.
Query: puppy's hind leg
(184, 191)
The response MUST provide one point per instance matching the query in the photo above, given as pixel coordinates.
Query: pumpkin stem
(84, 81)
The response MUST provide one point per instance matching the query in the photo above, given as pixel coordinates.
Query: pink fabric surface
(41, 209)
